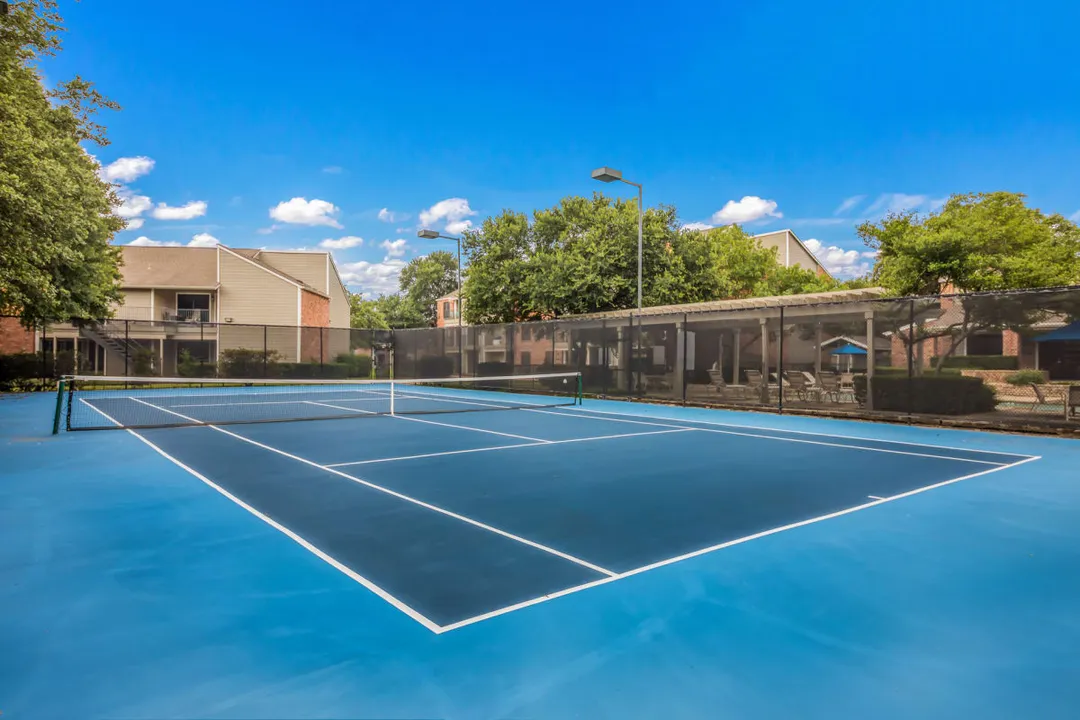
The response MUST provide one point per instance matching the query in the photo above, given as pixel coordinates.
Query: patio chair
(1040, 397)
(716, 380)
(1072, 403)
(795, 385)
(759, 390)
(830, 385)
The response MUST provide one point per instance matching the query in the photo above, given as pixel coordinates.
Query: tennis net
(99, 403)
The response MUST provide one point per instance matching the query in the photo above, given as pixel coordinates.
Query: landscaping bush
(1026, 377)
(312, 371)
(981, 362)
(359, 366)
(436, 366)
(928, 394)
(188, 367)
(245, 363)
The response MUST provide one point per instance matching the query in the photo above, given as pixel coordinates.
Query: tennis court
(460, 505)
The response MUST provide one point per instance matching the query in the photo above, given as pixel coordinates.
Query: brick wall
(14, 338)
(314, 315)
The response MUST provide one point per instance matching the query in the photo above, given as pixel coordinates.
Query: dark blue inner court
(453, 518)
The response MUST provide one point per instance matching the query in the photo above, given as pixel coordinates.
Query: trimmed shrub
(359, 366)
(245, 363)
(1026, 377)
(928, 394)
(313, 371)
(436, 366)
(982, 362)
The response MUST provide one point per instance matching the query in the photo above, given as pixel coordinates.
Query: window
(548, 357)
(193, 307)
(526, 357)
(986, 344)
(526, 333)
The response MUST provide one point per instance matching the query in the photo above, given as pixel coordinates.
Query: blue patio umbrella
(850, 350)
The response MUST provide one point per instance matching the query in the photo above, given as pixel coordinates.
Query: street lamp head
(606, 174)
(428, 234)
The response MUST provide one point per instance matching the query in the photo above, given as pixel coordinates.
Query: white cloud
(372, 279)
(748, 209)
(938, 203)
(192, 210)
(393, 249)
(132, 205)
(126, 169)
(143, 241)
(388, 216)
(301, 211)
(333, 169)
(344, 243)
(452, 211)
(697, 226)
(848, 204)
(1075, 217)
(895, 203)
(203, 240)
(839, 262)
(134, 223)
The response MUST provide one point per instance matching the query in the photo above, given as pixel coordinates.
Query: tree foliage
(56, 214)
(426, 279)
(982, 241)
(366, 313)
(581, 256)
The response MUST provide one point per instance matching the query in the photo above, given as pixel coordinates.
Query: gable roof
(252, 256)
(169, 267)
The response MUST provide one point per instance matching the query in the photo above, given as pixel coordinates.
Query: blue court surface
(603, 560)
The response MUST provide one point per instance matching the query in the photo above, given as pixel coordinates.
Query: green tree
(400, 312)
(976, 242)
(365, 313)
(56, 214)
(581, 256)
(426, 279)
(982, 241)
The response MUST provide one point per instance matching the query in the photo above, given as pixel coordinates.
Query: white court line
(426, 622)
(571, 413)
(509, 447)
(720, 546)
(433, 422)
(804, 432)
(394, 493)
(875, 497)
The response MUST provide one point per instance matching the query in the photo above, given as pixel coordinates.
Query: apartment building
(203, 301)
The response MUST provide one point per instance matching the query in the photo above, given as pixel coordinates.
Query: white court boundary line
(720, 546)
(317, 552)
(611, 577)
(581, 408)
(509, 447)
(400, 496)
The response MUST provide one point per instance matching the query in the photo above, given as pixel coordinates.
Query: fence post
(780, 364)
(603, 359)
(321, 350)
(264, 349)
(127, 346)
(59, 407)
(685, 346)
(910, 355)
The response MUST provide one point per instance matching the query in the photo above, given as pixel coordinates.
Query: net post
(393, 389)
(779, 365)
(580, 399)
(59, 407)
(70, 400)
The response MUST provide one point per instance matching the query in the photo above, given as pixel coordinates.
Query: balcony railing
(186, 315)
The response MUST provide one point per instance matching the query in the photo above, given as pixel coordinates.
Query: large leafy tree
(56, 214)
(400, 312)
(983, 241)
(581, 256)
(976, 242)
(366, 313)
(426, 279)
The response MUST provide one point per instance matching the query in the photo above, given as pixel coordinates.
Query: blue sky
(348, 124)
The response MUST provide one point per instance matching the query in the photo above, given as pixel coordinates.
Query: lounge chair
(795, 385)
(1072, 403)
(724, 390)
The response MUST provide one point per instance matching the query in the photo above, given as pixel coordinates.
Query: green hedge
(436, 366)
(359, 365)
(982, 362)
(313, 371)
(928, 394)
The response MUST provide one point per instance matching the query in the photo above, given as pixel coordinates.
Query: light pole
(606, 174)
(435, 235)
